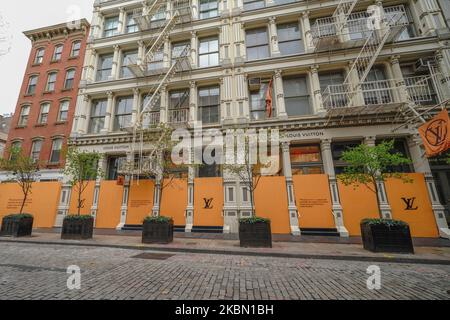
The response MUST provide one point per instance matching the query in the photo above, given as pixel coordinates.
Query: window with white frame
(290, 38)
(208, 53)
(32, 83)
(209, 104)
(131, 23)
(55, 155)
(43, 113)
(63, 113)
(57, 54)
(254, 4)
(296, 96)
(111, 26)
(76, 47)
(157, 62)
(259, 108)
(36, 148)
(128, 58)
(104, 67)
(98, 113)
(16, 145)
(124, 109)
(180, 48)
(39, 58)
(51, 82)
(70, 78)
(209, 9)
(257, 42)
(23, 117)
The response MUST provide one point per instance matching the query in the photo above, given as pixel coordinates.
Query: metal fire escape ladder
(144, 16)
(368, 56)
(342, 13)
(182, 63)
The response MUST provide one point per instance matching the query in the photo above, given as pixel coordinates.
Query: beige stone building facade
(335, 83)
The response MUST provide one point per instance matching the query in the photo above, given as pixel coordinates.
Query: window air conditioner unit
(254, 84)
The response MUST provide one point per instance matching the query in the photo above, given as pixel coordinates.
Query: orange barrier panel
(174, 201)
(410, 203)
(208, 202)
(271, 202)
(88, 195)
(313, 198)
(109, 203)
(140, 201)
(357, 204)
(42, 203)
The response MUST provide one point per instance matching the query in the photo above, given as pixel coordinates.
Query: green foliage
(78, 217)
(19, 216)
(24, 171)
(159, 219)
(386, 222)
(367, 164)
(253, 220)
(81, 167)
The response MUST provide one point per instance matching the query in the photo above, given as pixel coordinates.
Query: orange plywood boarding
(109, 204)
(271, 202)
(419, 214)
(174, 201)
(313, 198)
(208, 202)
(357, 203)
(88, 195)
(42, 203)
(140, 201)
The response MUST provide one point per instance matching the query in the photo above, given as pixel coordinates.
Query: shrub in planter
(384, 235)
(17, 225)
(255, 232)
(77, 227)
(157, 230)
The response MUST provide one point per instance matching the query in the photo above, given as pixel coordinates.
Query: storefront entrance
(441, 174)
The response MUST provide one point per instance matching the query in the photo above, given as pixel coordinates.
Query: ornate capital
(325, 144)
(395, 59)
(314, 68)
(136, 91)
(192, 84)
(272, 20)
(278, 73)
(110, 94)
(116, 47)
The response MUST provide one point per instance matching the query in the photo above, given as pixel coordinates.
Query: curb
(243, 253)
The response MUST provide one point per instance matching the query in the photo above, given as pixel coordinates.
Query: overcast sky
(22, 15)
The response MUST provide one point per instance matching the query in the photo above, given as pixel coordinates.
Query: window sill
(55, 61)
(39, 125)
(36, 64)
(74, 57)
(59, 123)
(21, 126)
(66, 89)
(29, 95)
(48, 92)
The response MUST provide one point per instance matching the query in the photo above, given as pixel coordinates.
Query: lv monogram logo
(409, 202)
(208, 203)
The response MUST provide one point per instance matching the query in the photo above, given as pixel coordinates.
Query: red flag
(269, 100)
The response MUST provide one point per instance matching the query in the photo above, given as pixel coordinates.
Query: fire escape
(357, 95)
(149, 115)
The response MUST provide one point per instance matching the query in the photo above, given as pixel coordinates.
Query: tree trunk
(79, 200)
(161, 188)
(23, 202)
(380, 214)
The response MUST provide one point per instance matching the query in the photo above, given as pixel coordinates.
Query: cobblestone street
(39, 272)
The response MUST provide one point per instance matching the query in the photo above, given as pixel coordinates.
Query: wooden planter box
(255, 235)
(382, 238)
(74, 229)
(14, 226)
(157, 232)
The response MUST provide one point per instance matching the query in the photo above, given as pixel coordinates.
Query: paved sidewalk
(333, 251)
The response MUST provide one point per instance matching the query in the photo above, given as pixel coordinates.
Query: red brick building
(45, 108)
